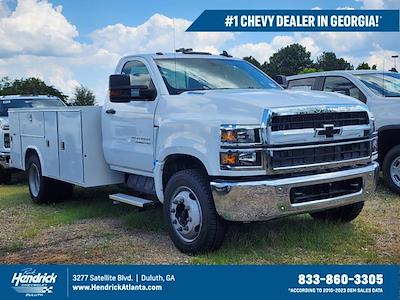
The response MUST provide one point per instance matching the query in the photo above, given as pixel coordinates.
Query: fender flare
(159, 166)
(34, 148)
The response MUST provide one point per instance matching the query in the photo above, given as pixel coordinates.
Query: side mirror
(281, 80)
(121, 90)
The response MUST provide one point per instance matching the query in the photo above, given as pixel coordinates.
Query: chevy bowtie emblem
(328, 131)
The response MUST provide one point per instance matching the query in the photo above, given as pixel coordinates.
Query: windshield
(191, 74)
(20, 103)
(382, 84)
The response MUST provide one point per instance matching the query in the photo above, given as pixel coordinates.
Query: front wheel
(340, 214)
(391, 169)
(189, 211)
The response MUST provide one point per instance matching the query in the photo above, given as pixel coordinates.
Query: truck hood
(248, 106)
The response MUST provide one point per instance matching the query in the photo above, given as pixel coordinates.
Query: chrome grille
(319, 154)
(317, 120)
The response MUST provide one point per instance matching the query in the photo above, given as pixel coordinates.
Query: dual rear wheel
(43, 189)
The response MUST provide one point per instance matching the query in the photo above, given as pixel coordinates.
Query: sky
(78, 42)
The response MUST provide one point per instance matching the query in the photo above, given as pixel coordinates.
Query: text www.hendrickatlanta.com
(116, 287)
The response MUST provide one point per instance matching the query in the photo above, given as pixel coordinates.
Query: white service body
(68, 142)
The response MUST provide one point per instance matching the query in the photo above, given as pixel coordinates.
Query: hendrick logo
(329, 131)
(33, 284)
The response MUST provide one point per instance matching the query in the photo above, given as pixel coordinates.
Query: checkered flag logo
(48, 290)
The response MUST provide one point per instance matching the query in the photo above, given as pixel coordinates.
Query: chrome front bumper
(270, 199)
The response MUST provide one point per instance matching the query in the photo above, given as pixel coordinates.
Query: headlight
(244, 159)
(4, 126)
(240, 135)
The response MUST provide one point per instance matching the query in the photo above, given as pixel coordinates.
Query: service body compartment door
(50, 150)
(31, 123)
(70, 146)
(15, 136)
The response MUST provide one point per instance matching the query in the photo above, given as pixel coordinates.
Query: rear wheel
(193, 223)
(391, 169)
(43, 189)
(340, 214)
(5, 175)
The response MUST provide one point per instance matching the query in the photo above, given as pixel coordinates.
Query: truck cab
(17, 101)
(381, 92)
(211, 138)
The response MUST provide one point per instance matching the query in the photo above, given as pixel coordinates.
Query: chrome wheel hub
(395, 171)
(34, 180)
(185, 214)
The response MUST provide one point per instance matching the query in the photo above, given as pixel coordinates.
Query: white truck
(210, 137)
(381, 92)
(17, 101)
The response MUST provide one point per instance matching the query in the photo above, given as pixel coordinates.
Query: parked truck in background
(17, 101)
(381, 92)
(210, 137)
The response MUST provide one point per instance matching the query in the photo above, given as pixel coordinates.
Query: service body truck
(212, 138)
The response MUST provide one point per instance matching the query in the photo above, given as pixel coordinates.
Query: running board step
(132, 200)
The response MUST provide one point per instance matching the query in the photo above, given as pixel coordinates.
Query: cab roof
(339, 72)
(160, 55)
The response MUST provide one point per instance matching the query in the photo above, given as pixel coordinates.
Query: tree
(253, 61)
(329, 62)
(365, 66)
(29, 86)
(83, 97)
(289, 61)
(310, 70)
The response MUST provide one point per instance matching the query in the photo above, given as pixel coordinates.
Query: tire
(342, 214)
(43, 189)
(189, 212)
(391, 169)
(5, 175)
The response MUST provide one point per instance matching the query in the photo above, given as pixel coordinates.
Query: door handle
(111, 111)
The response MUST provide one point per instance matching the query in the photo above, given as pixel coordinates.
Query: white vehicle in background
(17, 101)
(210, 137)
(381, 92)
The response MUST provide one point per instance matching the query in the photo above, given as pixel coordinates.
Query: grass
(374, 237)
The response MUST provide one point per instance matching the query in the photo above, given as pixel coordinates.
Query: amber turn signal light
(229, 159)
(228, 136)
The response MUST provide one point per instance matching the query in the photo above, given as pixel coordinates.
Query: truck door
(128, 128)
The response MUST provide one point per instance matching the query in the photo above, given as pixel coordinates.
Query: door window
(138, 72)
(302, 84)
(344, 86)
